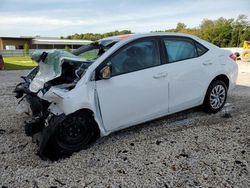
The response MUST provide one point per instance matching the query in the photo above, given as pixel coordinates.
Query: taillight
(233, 57)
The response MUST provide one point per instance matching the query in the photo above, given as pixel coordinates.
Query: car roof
(130, 37)
(141, 35)
(122, 39)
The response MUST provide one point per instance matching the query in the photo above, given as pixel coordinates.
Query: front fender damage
(51, 94)
(42, 138)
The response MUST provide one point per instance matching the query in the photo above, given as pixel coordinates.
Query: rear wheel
(215, 97)
(73, 134)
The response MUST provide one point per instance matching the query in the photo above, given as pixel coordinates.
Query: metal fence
(20, 53)
(11, 53)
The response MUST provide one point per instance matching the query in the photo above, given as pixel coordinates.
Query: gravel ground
(190, 149)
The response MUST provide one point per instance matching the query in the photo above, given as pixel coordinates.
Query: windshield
(94, 50)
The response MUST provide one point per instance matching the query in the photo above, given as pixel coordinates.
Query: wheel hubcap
(217, 96)
(72, 133)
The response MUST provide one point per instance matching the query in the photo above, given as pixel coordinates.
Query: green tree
(207, 27)
(97, 36)
(222, 32)
(26, 49)
(240, 27)
(180, 26)
(218, 32)
(245, 35)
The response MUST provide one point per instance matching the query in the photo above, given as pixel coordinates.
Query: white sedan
(132, 79)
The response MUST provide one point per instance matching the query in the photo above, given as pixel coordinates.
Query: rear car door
(187, 74)
(138, 88)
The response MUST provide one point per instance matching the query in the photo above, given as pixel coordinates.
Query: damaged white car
(131, 79)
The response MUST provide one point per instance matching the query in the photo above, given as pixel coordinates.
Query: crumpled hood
(49, 68)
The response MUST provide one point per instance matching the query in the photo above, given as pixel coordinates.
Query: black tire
(74, 133)
(208, 105)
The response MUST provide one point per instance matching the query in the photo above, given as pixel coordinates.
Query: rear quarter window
(200, 49)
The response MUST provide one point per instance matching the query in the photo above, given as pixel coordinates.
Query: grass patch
(22, 63)
(87, 56)
(18, 63)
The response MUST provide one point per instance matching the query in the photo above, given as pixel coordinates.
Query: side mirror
(105, 72)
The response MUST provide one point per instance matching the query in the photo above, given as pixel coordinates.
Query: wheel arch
(221, 77)
(90, 113)
(49, 130)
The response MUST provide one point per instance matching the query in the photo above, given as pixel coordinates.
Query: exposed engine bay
(56, 68)
(63, 70)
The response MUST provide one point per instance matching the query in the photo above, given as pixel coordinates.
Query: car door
(138, 88)
(187, 74)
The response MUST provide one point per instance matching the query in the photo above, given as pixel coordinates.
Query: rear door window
(179, 49)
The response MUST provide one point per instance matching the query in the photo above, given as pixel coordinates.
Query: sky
(57, 18)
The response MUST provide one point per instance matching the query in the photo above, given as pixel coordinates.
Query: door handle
(207, 63)
(160, 75)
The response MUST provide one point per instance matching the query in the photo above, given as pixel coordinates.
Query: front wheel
(74, 133)
(216, 97)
